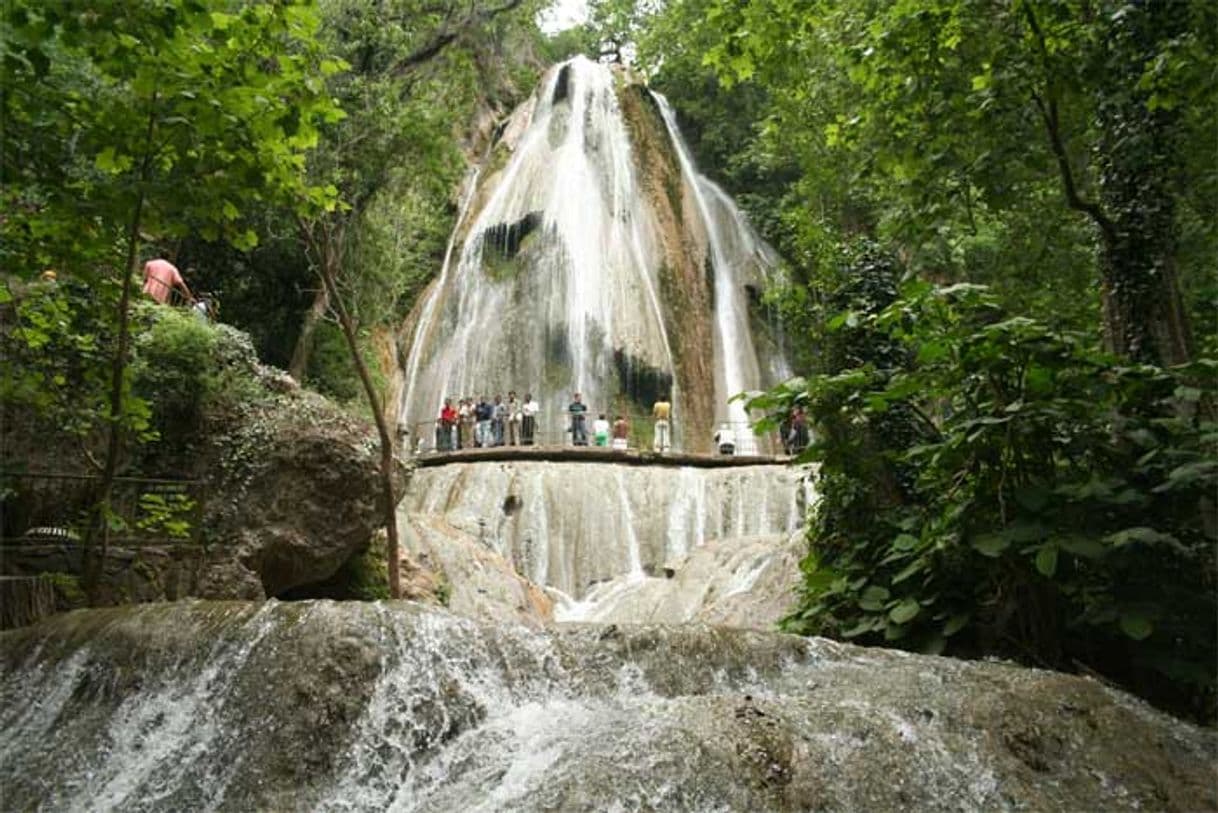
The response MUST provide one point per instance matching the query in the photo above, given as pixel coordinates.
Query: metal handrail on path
(54, 508)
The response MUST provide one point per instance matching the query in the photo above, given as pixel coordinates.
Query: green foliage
(68, 593)
(952, 131)
(167, 515)
(330, 370)
(444, 589)
(54, 349)
(196, 108)
(990, 484)
(174, 366)
(365, 577)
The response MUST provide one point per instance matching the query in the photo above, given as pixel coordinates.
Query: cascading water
(580, 268)
(738, 368)
(606, 539)
(324, 706)
(429, 303)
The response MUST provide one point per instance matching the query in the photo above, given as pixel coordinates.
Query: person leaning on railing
(579, 432)
(483, 413)
(447, 427)
(161, 278)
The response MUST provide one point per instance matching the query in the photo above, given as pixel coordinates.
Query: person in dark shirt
(484, 412)
(799, 430)
(579, 433)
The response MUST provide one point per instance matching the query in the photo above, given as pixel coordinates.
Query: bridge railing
(432, 437)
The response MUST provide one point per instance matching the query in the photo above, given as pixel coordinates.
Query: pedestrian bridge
(593, 454)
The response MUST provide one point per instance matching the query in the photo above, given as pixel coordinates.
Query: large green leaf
(905, 612)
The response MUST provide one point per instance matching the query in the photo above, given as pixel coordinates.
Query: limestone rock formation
(358, 706)
(295, 489)
(572, 525)
(748, 582)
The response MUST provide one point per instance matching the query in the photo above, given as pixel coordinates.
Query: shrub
(174, 367)
(999, 487)
(330, 369)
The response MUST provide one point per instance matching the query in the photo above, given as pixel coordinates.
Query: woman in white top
(600, 431)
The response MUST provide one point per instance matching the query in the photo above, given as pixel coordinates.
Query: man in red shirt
(448, 422)
(160, 278)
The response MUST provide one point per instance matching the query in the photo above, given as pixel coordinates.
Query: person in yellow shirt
(661, 412)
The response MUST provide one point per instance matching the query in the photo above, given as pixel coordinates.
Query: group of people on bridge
(486, 423)
(482, 423)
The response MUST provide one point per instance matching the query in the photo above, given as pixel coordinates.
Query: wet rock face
(295, 487)
(324, 706)
(750, 582)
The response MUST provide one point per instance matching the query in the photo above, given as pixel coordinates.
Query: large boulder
(293, 487)
(376, 706)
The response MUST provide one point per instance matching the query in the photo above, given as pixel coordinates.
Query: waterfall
(566, 198)
(736, 355)
(564, 271)
(586, 523)
(431, 298)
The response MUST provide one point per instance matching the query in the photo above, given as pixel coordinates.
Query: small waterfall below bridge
(615, 542)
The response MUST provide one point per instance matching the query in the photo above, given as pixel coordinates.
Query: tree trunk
(304, 342)
(100, 526)
(1144, 315)
(327, 257)
(1138, 155)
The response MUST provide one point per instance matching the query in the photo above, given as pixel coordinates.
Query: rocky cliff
(287, 482)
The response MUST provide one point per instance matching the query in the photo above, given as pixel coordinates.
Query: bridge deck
(594, 454)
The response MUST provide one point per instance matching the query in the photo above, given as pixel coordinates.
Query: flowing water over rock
(572, 525)
(592, 256)
(338, 707)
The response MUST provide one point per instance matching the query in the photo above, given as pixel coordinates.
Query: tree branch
(447, 36)
(1047, 105)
